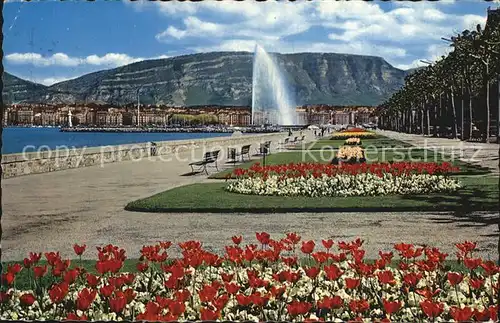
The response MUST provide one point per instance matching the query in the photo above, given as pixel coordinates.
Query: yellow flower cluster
(353, 141)
(347, 152)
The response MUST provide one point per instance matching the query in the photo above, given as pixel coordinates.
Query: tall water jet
(271, 101)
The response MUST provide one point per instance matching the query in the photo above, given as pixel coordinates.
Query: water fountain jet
(271, 101)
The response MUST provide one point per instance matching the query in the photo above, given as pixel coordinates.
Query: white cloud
(358, 48)
(471, 21)
(435, 51)
(270, 20)
(51, 80)
(61, 59)
(414, 64)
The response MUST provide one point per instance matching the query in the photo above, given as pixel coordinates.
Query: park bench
(233, 154)
(209, 158)
(284, 143)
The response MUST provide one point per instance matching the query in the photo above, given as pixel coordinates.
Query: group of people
(316, 133)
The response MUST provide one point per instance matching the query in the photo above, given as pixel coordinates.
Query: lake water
(17, 139)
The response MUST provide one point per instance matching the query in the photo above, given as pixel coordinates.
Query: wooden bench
(233, 154)
(209, 158)
(284, 143)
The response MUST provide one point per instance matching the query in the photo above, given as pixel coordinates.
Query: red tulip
(106, 291)
(312, 272)
(476, 283)
(71, 275)
(27, 299)
(412, 279)
(79, 250)
(327, 303)
(455, 278)
(58, 292)
(431, 309)
(232, 288)
(4, 297)
(207, 293)
(263, 237)
(243, 300)
(92, 280)
(142, 266)
(298, 308)
(293, 237)
(177, 308)
(117, 304)
(391, 307)
(461, 314)
(386, 277)
(74, 317)
(182, 295)
(40, 271)
(333, 272)
(352, 283)
(490, 268)
(209, 315)
(85, 299)
(307, 246)
(35, 257)
(15, 268)
(27, 263)
(227, 277)
(359, 306)
(471, 263)
(8, 278)
(328, 244)
(237, 239)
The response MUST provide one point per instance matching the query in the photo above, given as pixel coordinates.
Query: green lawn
(381, 142)
(372, 155)
(479, 193)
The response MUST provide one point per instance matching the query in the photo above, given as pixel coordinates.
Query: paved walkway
(483, 154)
(53, 211)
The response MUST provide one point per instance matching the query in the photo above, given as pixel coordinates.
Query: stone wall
(49, 161)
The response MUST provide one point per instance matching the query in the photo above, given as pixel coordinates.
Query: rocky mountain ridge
(221, 78)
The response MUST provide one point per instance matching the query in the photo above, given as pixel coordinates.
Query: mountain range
(220, 78)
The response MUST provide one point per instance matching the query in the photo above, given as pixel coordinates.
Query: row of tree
(458, 95)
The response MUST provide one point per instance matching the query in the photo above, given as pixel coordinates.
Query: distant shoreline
(172, 129)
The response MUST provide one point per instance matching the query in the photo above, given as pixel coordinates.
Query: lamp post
(138, 107)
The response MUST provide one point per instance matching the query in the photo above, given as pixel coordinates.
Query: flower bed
(347, 135)
(348, 152)
(355, 130)
(312, 179)
(259, 284)
(353, 141)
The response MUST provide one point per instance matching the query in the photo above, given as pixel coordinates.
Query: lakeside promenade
(52, 211)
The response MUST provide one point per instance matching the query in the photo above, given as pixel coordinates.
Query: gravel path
(52, 211)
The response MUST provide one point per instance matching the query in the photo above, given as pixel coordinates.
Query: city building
(111, 116)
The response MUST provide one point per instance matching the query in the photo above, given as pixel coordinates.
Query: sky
(52, 41)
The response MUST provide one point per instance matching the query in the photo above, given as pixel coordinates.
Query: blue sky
(52, 41)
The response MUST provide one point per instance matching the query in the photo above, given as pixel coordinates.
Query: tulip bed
(352, 141)
(315, 179)
(282, 280)
(354, 133)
